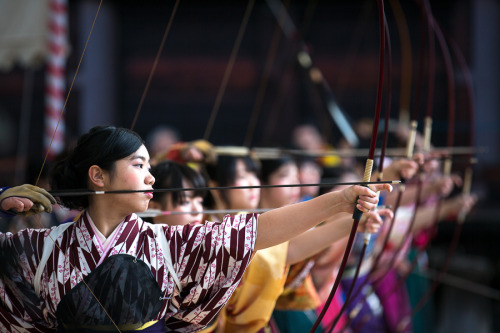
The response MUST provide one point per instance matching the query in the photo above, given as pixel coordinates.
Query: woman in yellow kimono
(250, 308)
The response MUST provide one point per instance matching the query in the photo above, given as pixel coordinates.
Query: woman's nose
(197, 207)
(150, 180)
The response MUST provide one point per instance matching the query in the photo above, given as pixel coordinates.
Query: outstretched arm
(426, 216)
(281, 224)
(313, 241)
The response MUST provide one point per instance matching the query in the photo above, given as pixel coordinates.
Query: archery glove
(42, 200)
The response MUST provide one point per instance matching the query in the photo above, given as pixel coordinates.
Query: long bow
(404, 114)
(466, 188)
(367, 236)
(368, 167)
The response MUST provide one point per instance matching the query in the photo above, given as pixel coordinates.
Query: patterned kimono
(195, 279)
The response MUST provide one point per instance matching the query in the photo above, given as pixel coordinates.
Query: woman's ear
(96, 176)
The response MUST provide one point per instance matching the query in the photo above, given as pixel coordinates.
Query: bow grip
(357, 214)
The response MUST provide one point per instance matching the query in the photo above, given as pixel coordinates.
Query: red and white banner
(55, 77)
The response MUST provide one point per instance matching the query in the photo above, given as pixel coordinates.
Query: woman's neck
(104, 219)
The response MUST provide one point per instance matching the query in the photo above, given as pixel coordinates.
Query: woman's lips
(149, 194)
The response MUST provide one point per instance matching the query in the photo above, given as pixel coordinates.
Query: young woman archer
(111, 270)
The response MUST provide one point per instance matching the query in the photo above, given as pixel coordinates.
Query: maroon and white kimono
(196, 268)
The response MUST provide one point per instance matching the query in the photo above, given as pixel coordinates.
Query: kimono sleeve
(20, 307)
(210, 261)
(252, 304)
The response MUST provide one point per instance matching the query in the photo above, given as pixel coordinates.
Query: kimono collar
(123, 236)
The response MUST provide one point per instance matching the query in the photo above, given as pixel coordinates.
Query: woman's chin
(140, 209)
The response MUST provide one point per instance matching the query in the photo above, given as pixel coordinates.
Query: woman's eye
(139, 165)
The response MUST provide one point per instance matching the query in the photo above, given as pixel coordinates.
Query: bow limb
(428, 120)
(406, 61)
(470, 107)
(404, 118)
(446, 172)
(404, 108)
(427, 130)
(261, 90)
(466, 188)
(155, 63)
(228, 71)
(410, 145)
(367, 234)
(430, 77)
(368, 167)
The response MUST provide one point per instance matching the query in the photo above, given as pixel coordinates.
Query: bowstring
(61, 113)
(155, 63)
(261, 90)
(229, 69)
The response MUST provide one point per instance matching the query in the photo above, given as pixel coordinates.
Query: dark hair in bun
(102, 146)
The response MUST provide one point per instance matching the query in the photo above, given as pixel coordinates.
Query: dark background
(342, 38)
